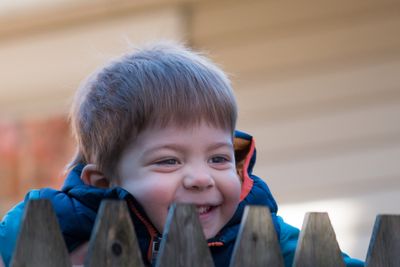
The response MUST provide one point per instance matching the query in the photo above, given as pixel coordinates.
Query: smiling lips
(203, 209)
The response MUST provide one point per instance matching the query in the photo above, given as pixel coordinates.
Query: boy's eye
(167, 162)
(219, 159)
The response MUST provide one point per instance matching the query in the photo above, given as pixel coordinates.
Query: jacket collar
(91, 197)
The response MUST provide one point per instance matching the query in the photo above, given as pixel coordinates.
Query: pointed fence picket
(40, 242)
(184, 243)
(315, 248)
(384, 248)
(257, 236)
(113, 241)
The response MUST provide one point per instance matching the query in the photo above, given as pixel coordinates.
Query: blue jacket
(76, 206)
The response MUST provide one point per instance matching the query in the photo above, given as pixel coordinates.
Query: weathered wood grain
(183, 242)
(113, 241)
(384, 247)
(257, 243)
(317, 245)
(40, 242)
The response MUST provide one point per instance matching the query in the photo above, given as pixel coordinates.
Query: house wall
(318, 86)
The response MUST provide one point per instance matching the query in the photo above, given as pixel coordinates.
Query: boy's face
(185, 165)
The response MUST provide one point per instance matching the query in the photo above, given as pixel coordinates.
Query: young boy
(154, 127)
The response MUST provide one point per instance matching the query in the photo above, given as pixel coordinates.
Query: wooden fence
(113, 241)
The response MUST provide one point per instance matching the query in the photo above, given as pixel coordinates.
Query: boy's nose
(198, 181)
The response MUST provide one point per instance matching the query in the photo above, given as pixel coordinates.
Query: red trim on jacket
(247, 181)
(152, 231)
(215, 244)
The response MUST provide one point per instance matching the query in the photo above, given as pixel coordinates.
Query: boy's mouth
(203, 209)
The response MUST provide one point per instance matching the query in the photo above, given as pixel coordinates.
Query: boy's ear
(92, 176)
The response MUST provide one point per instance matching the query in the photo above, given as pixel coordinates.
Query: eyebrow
(179, 147)
(220, 144)
(171, 146)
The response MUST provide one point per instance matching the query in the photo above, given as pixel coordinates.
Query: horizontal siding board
(213, 21)
(68, 55)
(332, 155)
(33, 18)
(353, 44)
(348, 128)
(334, 176)
(272, 97)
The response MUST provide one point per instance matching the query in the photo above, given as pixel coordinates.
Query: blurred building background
(318, 86)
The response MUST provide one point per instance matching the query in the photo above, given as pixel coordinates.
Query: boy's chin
(210, 233)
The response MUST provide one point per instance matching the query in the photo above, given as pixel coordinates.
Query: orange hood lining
(244, 150)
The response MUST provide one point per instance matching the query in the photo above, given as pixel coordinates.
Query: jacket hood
(254, 190)
(245, 154)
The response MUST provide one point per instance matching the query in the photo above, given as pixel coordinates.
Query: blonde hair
(153, 86)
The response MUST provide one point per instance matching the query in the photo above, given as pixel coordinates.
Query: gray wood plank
(40, 242)
(183, 242)
(113, 241)
(384, 246)
(257, 243)
(317, 245)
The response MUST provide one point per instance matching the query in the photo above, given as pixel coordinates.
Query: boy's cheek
(236, 186)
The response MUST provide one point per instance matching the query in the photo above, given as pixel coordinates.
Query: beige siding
(314, 79)
(318, 85)
(50, 64)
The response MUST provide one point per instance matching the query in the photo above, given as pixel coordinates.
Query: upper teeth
(203, 209)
